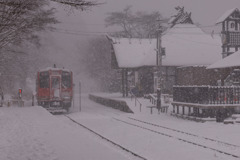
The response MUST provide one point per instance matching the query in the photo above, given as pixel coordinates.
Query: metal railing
(153, 99)
(136, 100)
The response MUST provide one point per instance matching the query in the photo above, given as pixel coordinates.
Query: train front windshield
(44, 80)
(66, 80)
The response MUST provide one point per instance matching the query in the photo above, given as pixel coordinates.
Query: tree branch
(78, 4)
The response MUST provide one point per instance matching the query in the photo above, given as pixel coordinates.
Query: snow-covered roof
(185, 44)
(133, 53)
(54, 69)
(231, 61)
(226, 15)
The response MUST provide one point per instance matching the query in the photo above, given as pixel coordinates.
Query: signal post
(159, 64)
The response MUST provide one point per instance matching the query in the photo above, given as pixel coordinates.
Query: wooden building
(213, 101)
(230, 22)
(188, 51)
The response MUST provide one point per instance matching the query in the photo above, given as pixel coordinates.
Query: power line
(79, 31)
(200, 26)
(205, 43)
(81, 24)
(87, 33)
(101, 24)
(107, 32)
(77, 34)
(192, 33)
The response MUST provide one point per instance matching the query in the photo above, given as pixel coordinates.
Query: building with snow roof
(231, 61)
(230, 22)
(186, 47)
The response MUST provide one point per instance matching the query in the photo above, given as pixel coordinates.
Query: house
(230, 22)
(215, 101)
(135, 56)
(188, 50)
(229, 67)
(231, 61)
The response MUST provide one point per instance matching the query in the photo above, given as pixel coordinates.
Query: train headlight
(67, 98)
(66, 95)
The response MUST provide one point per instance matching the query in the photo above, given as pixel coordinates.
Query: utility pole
(80, 97)
(159, 64)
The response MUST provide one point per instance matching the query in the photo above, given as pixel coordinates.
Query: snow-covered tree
(77, 4)
(20, 18)
(134, 25)
(97, 63)
(21, 21)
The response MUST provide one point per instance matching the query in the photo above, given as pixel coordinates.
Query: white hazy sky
(205, 12)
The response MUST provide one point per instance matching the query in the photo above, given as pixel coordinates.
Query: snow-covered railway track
(185, 139)
(108, 140)
(186, 133)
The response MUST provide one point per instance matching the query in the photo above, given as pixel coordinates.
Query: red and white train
(54, 88)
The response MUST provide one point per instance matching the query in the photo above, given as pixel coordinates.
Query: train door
(55, 87)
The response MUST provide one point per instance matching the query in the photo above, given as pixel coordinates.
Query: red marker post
(20, 93)
(20, 102)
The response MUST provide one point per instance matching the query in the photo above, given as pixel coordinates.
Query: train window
(55, 83)
(66, 80)
(44, 80)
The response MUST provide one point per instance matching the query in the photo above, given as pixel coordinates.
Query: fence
(207, 94)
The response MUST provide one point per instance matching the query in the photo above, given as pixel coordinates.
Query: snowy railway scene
(120, 80)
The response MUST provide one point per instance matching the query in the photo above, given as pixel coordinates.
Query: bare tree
(134, 25)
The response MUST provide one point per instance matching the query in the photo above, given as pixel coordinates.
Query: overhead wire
(78, 33)
(205, 43)
(107, 32)
(103, 33)
(197, 26)
(192, 33)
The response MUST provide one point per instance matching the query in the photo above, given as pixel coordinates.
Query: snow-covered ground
(31, 133)
(155, 136)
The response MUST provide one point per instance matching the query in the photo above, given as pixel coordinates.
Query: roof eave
(222, 20)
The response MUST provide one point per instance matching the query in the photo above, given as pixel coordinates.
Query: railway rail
(187, 133)
(165, 132)
(183, 136)
(108, 140)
